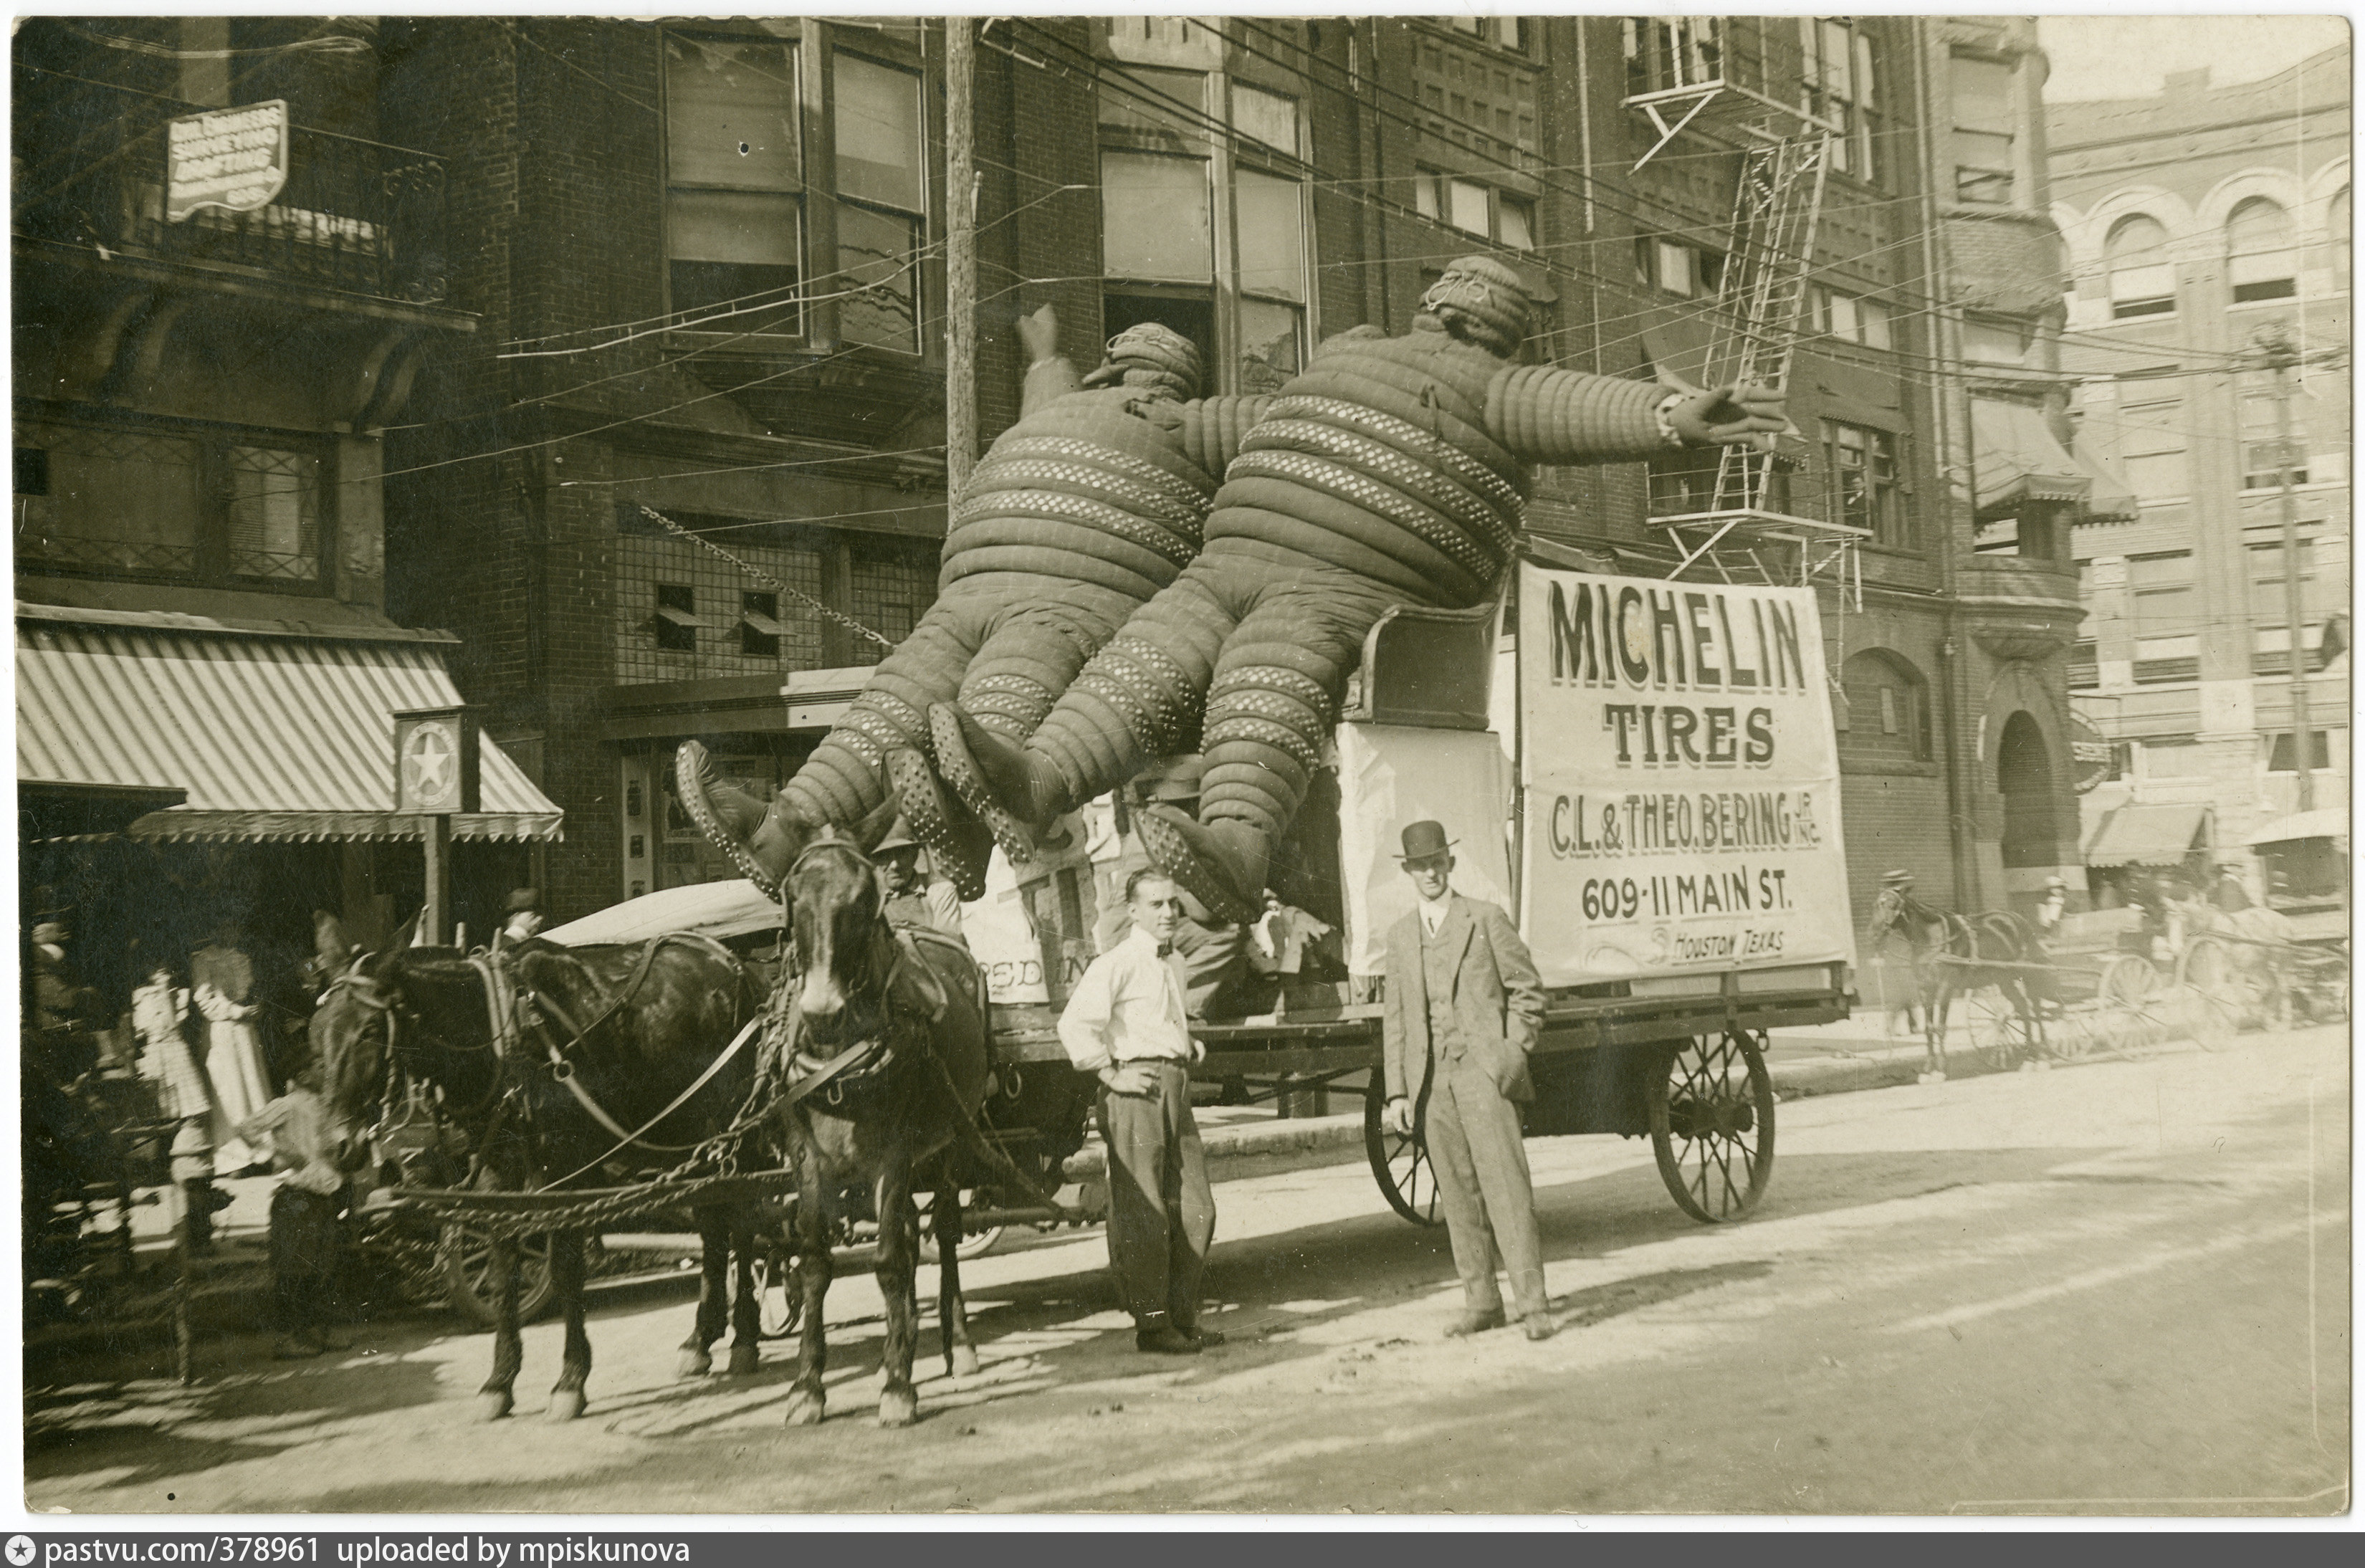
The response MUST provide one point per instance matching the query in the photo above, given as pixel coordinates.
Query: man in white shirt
(1125, 1024)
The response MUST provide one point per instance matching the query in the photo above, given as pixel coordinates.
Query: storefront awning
(2147, 836)
(272, 736)
(2324, 823)
(2018, 460)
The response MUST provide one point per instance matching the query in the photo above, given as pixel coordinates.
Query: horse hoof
(964, 1361)
(565, 1405)
(694, 1363)
(804, 1409)
(898, 1407)
(744, 1361)
(493, 1407)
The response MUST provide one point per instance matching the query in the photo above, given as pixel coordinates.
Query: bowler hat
(1897, 878)
(1423, 839)
(526, 900)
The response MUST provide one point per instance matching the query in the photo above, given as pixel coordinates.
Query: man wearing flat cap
(1465, 1006)
(521, 921)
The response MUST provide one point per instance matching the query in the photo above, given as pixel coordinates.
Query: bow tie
(1165, 948)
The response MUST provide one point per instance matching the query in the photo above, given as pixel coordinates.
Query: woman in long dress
(223, 982)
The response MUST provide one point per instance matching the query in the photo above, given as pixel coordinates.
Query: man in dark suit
(1465, 1006)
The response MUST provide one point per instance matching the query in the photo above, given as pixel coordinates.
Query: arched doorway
(2031, 797)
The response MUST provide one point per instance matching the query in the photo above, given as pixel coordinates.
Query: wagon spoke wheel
(1998, 1031)
(2215, 994)
(1713, 1125)
(1400, 1164)
(2129, 1005)
(464, 1253)
(2070, 1031)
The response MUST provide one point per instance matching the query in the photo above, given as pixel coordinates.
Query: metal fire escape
(1700, 70)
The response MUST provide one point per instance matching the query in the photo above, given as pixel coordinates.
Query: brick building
(706, 264)
(2198, 222)
(205, 672)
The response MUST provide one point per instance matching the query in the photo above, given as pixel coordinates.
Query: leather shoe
(1165, 1341)
(1539, 1325)
(1470, 1323)
(1203, 1338)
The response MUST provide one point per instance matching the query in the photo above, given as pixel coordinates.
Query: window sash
(720, 96)
(1271, 235)
(1266, 117)
(1156, 219)
(876, 255)
(880, 136)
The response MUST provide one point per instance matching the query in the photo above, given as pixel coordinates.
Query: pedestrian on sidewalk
(307, 1235)
(1125, 1022)
(159, 1017)
(222, 985)
(1465, 1006)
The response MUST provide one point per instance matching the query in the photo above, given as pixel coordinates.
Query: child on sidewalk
(305, 1234)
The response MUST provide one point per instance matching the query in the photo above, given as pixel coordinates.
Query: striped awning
(2149, 836)
(273, 736)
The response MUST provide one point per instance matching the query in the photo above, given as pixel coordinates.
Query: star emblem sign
(427, 761)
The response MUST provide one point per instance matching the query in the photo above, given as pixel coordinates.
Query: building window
(1862, 464)
(2152, 449)
(1475, 208)
(882, 202)
(2261, 258)
(759, 625)
(2143, 279)
(676, 622)
(1886, 710)
(1982, 143)
(1679, 267)
(1838, 86)
(2161, 586)
(735, 208)
(2264, 453)
(2085, 667)
(2270, 614)
(1162, 221)
(2280, 752)
(1849, 317)
(201, 506)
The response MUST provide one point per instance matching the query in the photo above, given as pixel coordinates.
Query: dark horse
(885, 1056)
(1953, 954)
(563, 1067)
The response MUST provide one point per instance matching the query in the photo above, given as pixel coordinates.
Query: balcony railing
(355, 216)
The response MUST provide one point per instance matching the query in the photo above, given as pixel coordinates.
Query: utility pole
(960, 254)
(2282, 355)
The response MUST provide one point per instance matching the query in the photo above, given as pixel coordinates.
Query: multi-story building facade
(2206, 225)
(707, 260)
(206, 675)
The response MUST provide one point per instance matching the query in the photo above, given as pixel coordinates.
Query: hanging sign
(435, 761)
(1680, 779)
(228, 157)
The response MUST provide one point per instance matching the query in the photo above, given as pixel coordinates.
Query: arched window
(1885, 714)
(2260, 257)
(2143, 280)
(2336, 222)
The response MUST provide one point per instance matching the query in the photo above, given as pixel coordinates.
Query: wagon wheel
(2215, 995)
(2071, 1030)
(973, 1243)
(779, 1299)
(464, 1254)
(1998, 1031)
(1401, 1164)
(2129, 1004)
(1704, 1123)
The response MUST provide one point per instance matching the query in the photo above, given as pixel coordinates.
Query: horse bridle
(864, 1057)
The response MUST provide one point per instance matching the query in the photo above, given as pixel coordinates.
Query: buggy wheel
(465, 1256)
(2215, 995)
(1998, 1031)
(2071, 1032)
(2129, 1005)
(1713, 1125)
(1400, 1164)
(973, 1243)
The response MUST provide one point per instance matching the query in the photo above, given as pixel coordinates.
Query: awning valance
(2018, 460)
(2147, 836)
(272, 737)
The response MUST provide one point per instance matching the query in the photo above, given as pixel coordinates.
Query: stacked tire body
(1390, 472)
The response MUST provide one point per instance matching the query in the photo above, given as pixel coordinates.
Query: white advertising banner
(228, 157)
(1680, 777)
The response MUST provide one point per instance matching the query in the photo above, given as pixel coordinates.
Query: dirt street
(2104, 1289)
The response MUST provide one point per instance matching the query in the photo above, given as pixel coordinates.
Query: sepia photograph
(1123, 766)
